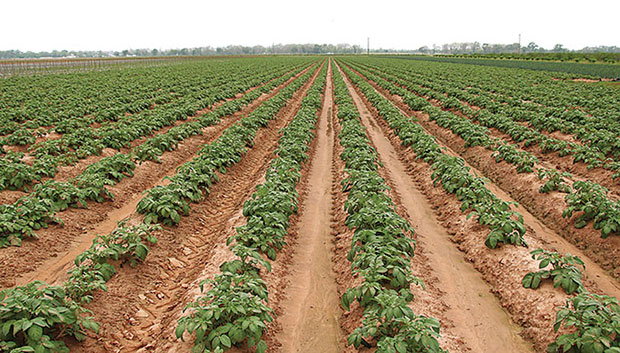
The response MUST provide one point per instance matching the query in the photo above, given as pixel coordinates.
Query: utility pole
(519, 43)
(368, 46)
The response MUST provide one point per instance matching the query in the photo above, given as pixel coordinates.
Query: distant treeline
(608, 54)
(201, 51)
(570, 56)
(507, 51)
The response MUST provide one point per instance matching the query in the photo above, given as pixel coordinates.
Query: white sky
(43, 25)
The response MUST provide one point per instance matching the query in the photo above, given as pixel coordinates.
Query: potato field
(310, 204)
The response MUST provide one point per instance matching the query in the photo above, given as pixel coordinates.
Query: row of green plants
(548, 67)
(37, 317)
(588, 197)
(381, 248)
(38, 209)
(473, 134)
(167, 203)
(590, 320)
(506, 226)
(234, 310)
(50, 102)
(597, 129)
(84, 141)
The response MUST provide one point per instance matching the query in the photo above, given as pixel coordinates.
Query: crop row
(562, 69)
(506, 225)
(38, 209)
(167, 203)
(381, 248)
(590, 320)
(84, 141)
(35, 317)
(599, 135)
(557, 101)
(584, 196)
(43, 101)
(234, 310)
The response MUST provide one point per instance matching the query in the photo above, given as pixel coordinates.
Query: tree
(559, 48)
(532, 47)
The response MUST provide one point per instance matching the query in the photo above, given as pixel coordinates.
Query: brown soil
(140, 309)
(48, 257)
(310, 311)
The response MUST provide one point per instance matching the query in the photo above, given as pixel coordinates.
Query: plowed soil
(474, 292)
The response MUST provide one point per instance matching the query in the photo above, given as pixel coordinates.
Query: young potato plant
(593, 322)
(234, 310)
(524, 161)
(395, 328)
(14, 173)
(125, 243)
(555, 181)
(23, 218)
(36, 317)
(591, 201)
(564, 271)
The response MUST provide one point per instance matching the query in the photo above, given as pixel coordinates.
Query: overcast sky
(44, 25)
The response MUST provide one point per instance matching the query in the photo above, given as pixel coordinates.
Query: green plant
(233, 311)
(564, 271)
(590, 199)
(35, 318)
(555, 180)
(594, 324)
(390, 322)
(125, 243)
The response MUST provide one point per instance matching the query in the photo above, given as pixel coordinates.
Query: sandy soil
(310, 311)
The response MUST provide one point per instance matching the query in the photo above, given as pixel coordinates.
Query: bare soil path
(312, 306)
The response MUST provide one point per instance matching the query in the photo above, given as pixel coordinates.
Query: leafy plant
(564, 271)
(125, 243)
(590, 199)
(393, 325)
(555, 180)
(36, 317)
(594, 322)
